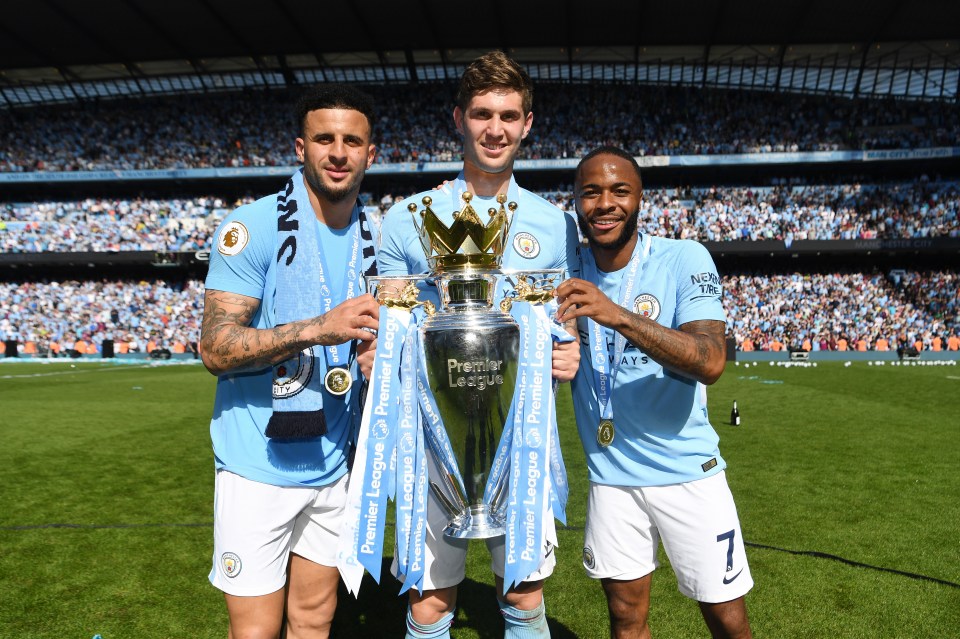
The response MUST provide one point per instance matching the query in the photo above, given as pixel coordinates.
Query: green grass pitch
(845, 479)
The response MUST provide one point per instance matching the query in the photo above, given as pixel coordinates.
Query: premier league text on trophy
(459, 373)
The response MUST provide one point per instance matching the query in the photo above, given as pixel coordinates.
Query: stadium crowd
(252, 129)
(95, 224)
(51, 318)
(844, 311)
(766, 312)
(917, 209)
(837, 311)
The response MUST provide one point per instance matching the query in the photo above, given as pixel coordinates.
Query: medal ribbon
(337, 355)
(605, 371)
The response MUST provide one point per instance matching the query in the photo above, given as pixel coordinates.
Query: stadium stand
(842, 311)
(244, 130)
(918, 209)
(73, 318)
(824, 178)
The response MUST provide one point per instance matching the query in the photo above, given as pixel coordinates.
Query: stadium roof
(76, 41)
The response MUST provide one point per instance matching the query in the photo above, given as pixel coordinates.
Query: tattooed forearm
(228, 344)
(696, 350)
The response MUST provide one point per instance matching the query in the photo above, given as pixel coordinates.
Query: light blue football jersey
(541, 235)
(243, 403)
(663, 434)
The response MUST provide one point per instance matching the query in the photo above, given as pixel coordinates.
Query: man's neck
(484, 184)
(611, 260)
(335, 215)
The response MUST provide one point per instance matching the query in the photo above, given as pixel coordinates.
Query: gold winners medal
(337, 381)
(605, 432)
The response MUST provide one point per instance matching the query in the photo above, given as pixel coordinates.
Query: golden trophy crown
(468, 243)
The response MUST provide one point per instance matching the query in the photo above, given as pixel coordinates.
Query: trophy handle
(535, 287)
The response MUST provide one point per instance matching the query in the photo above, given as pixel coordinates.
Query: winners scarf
(298, 392)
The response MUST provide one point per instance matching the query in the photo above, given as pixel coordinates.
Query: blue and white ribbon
(361, 538)
(436, 435)
(527, 505)
(411, 473)
(605, 370)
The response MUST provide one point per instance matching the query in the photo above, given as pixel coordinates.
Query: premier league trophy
(470, 349)
(460, 386)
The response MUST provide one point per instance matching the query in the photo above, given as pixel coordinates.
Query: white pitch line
(74, 372)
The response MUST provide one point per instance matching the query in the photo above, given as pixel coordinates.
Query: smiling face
(336, 152)
(608, 191)
(492, 125)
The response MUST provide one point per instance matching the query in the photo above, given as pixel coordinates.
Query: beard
(335, 193)
(629, 229)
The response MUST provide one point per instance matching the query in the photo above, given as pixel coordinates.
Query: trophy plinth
(478, 522)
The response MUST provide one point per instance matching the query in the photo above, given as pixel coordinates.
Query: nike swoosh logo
(730, 580)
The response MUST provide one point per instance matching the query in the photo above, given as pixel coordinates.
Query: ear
(527, 125)
(371, 155)
(299, 149)
(458, 119)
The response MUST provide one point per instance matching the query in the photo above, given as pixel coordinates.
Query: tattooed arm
(695, 350)
(229, 345)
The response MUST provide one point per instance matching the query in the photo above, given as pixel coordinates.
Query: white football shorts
(445, 558)
(257, 526)
(697, 522)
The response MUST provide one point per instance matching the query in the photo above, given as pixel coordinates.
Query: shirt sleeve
(242, 254)
(392, 256)
(571, 247)
(699, 289)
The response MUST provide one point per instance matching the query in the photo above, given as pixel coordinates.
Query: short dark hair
(611, 150)
(492, 71)
(333, 96)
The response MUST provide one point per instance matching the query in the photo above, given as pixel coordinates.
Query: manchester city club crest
(526, 245)
(292, 376)
(233, 238)
(231, 564)
(647, 305)
(588, 559)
